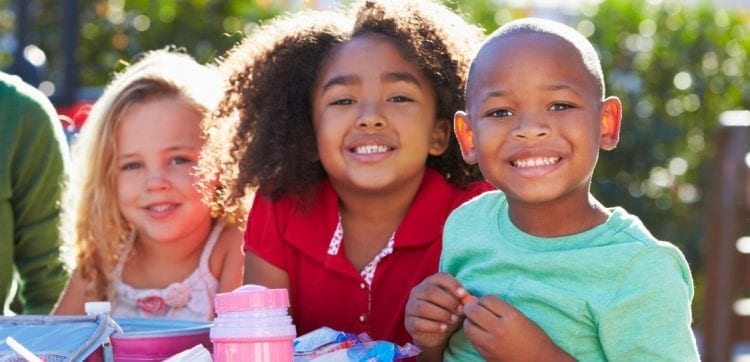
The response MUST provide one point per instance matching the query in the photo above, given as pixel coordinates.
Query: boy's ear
(465, 135)
(610, 123)
(441, 134)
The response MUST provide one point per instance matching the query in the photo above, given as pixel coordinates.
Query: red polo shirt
(326, 290)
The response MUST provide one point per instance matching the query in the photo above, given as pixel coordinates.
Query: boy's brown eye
(560, 107)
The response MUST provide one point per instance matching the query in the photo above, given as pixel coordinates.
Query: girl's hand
(433, 313)
(500, 332)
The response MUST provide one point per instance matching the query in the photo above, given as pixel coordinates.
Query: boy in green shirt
(591, 277)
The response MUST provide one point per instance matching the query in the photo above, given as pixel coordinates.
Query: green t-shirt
(613, 292)
(33, 158)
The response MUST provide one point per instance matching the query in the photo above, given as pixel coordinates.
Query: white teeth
(161, 207)
(367, 149)
(534, 162)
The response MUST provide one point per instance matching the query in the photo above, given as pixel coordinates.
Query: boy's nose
(531, 128)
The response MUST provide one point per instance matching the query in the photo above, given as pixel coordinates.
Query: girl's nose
(371, 118)
(157, 181)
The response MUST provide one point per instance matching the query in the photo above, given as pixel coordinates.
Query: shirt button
(362, 286)
(362, 317)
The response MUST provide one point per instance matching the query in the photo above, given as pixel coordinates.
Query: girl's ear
(441, 133)
(465, 135)
(610, 123)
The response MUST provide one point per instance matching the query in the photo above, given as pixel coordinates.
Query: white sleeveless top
(190, 299)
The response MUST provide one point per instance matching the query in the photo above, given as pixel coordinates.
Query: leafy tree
(112, 32)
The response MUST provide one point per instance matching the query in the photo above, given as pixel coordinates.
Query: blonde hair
(93, 226)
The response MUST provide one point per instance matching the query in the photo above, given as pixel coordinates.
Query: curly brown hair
(266, 112)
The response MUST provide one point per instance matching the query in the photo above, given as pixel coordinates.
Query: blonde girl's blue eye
(179, 160)
(130, 166)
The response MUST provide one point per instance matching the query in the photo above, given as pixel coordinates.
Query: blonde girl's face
(159, 141)
(374, 115)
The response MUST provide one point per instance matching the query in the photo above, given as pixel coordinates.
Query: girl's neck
(555, 219)
(377, 208)
(369, 220)
(192, 242)
(163, 262)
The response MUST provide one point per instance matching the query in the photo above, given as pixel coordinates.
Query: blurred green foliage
(675, 67)
(112, 32)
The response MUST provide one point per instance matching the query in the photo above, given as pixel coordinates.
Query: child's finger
(440, 289)
(479, 316)
(498, 306)
(427, 309)
(468, 298)
(444, 281)
(423, 325)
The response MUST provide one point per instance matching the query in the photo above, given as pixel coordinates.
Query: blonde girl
(144, 238)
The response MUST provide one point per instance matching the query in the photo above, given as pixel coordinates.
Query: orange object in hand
(468, 298)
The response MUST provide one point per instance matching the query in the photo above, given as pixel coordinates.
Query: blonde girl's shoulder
(74, 296)
(227, 261)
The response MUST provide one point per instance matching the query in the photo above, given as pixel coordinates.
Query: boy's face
(535, 120)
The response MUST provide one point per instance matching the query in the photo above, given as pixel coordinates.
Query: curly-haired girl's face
(374, 117)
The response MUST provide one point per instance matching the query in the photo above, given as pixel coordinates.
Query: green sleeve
(648, 318)
(37, 172)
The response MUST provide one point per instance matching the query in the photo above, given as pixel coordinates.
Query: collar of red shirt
(311, 231)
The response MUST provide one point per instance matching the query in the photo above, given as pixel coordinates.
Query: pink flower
(151, 304)
(178, 295)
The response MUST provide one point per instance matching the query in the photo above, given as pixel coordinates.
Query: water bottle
(253, 324)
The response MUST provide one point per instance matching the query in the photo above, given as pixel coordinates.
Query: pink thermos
(253, 324)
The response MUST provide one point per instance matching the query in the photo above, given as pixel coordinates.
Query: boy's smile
(535, 119)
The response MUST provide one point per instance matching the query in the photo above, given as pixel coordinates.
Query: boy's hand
(433, 312)
(500, 332)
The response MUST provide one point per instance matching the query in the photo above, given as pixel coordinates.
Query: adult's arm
(38, 160)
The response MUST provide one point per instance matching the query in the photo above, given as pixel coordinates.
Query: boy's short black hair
(589, 56)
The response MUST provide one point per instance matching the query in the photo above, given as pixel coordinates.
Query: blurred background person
(33, 163)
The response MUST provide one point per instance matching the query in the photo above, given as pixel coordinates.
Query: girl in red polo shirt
(346, 131)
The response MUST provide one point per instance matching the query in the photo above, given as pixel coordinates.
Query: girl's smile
(159, 141)
(374, 121)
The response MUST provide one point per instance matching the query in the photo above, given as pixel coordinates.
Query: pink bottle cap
(251, 297)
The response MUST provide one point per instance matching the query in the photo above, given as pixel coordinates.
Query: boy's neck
(555, 219)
